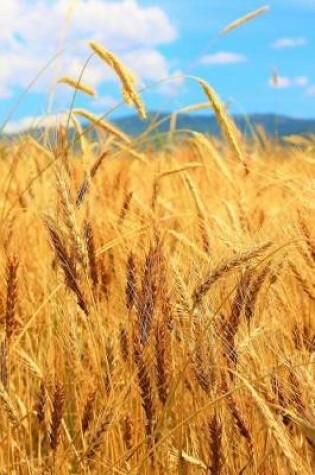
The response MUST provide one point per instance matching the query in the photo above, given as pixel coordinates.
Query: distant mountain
(275, 125)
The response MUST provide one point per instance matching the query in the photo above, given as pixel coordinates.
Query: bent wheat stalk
(78, 85)
(244, 19)
(230, 131)
(102, 124)
(65, 263)
(227, 266)
(127, 78)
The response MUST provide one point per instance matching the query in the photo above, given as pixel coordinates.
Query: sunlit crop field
(157, 307)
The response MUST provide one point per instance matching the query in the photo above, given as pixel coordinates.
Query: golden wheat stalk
(244, 19)
(103, 124)
(126, 77)
(227, 125)
(79, 247)
(227, 266)
(77, 85)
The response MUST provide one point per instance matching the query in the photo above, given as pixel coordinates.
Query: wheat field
(157, 302)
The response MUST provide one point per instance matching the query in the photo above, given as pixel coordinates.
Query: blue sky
(158, 39)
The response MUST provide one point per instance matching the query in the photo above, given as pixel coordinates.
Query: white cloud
(30, 34)
(285, 82)
(223, 58)
(29, 122)
(148, 63)
(282, 43)
(301, 81)
(310, 91)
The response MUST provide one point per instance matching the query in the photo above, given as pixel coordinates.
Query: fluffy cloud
(223, 58)
(300, 81)
(285, 82)
(32, 32)
(310, 91)
(282, 43)
(29, 122)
